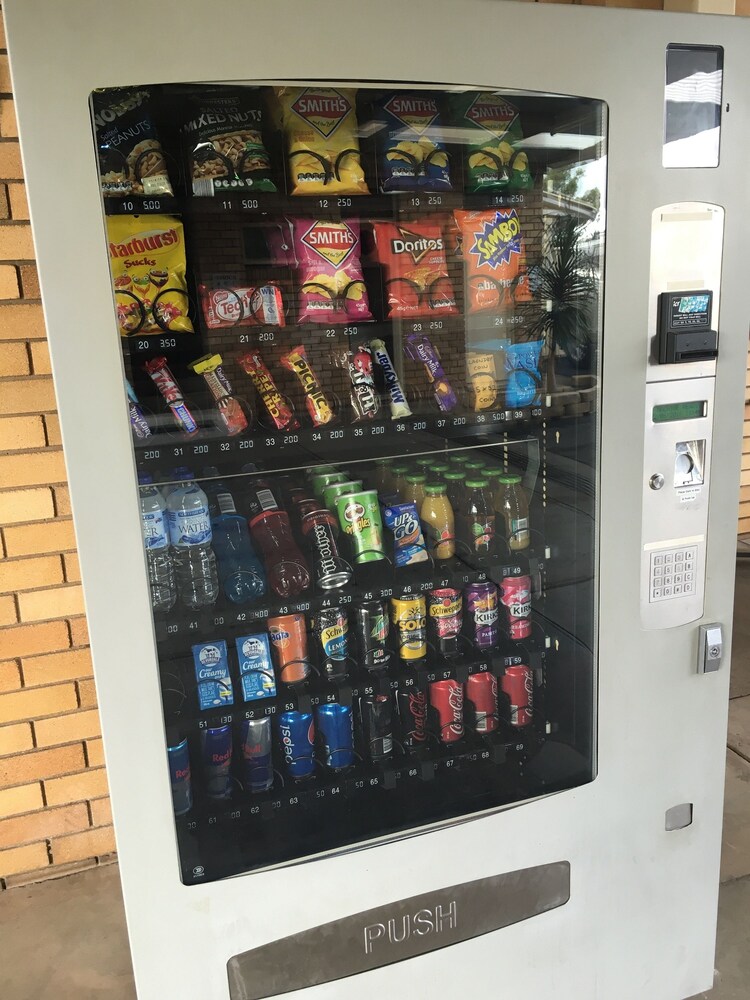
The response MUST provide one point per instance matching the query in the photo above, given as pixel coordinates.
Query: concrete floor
(66, 938)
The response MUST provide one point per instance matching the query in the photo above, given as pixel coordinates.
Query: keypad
(673, 573)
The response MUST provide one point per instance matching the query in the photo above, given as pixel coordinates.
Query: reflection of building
(556, 203)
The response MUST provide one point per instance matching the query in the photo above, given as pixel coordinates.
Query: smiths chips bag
(331, 286)
(411, 153)
(131, 160)
(225, 143)
(416, 272)
(493, 161)
(320, 126)
(492, 247)
(147, 259)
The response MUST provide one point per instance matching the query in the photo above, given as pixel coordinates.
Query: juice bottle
(382, 477)
(459, 459)
(512, 505)
(414, 491)
(399, 472)
(475, 466)
(436, 515)
(454, 487)
(479, 517)
(424, 463)
(438, 470)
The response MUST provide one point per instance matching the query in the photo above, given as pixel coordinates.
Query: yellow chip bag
(320, 126)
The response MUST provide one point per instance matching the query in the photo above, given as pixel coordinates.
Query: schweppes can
(409, 617)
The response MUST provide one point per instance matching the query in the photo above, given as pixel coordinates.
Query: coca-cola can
(412, 714)
(444, 619)
(371, 627)
(518, 683)
(376, 718)
(481, 695)
(331, 571)
(515, 594)
(482, 613)
(447, 699)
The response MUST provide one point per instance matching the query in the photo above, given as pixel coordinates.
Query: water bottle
(156, 542)
(190, 536)
(240, 571)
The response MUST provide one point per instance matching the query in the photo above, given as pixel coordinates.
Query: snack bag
(147, 260)
(522, 368)
(416, 271)
(480, 367)
(408, 541)
(419, 347)
(363, 395)
(411, 153)
(320, 125)
(492, 247)
(318, 405)
(224, 304)
(331, 286)
(493, 161)
(131, 160)
(277, 407)
(224, 142)
(396, 395)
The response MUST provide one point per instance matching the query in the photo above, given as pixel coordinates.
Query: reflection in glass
(692, 114)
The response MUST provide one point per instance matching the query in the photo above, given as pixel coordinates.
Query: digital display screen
(694, 304)
(664, 413)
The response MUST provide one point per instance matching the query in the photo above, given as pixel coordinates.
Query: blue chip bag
(522, 369)
(412, 155)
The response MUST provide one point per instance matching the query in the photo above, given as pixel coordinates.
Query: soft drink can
(335, 490)
(336, 731)
(444, 618)
(515, 594)
(216, 745)
(376, 716)
(256, 754)
(481, 694)
(409, 617)
(518, 683)
(447, 699)
(319, 528)
(331, 630)
(297, 732)
(482, 608)
(371, 626)
(288, 635)
(179, 776)
(412, 714)
(359, 518)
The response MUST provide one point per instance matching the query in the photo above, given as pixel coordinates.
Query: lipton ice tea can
(359, 518)
(409, 617)
(288, 636)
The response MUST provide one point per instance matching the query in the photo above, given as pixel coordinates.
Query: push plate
(399, 930)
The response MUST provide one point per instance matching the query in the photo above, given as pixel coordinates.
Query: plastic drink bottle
(241, 574)
(436, 515)
(512, 506)
(156, 542)
(479, 518)
(190, 535)
(286, 567)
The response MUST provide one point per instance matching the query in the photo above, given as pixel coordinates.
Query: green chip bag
(493, 160)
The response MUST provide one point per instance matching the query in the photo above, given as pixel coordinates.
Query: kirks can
(288, 635)
(255, 736)
(319, 528)
(335, 725)
(482, 609)
(481, 695)
(447, 699)
(331, 628)
(409, 617)
(515, 594)
(371, 629)
(297, 732)
(376, 718)
(518, 683)
(412, 715)
(444, 618)
(179, 776)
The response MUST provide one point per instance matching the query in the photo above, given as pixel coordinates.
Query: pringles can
(481, 695)
(482, 613)
(518, 683)
(412, 717)
(323, 477)
(179, 777)
(447, 699)
(297, 732)
(336, 732)
(409, 617)
(288, 636)
(371, 630)
(255, 736)
(359, 518)
(515, 594)
(335, 490)
(376, 718)
(331, 629)
(444, 619)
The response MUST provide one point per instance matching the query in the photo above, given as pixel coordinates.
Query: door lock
(710, 648)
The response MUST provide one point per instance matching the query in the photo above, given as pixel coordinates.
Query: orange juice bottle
(437, 519)
(414, 491)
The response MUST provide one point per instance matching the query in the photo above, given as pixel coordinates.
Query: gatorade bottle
(156, 541)
(240, 571)
(479, 518)
(190, 536)
(286, 567)
(512, 506)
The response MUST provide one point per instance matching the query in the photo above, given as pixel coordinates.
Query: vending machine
(400, 357)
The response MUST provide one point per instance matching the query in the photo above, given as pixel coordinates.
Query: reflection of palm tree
(565, 282)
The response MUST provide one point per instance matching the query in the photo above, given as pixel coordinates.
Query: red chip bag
(492, 245)
(416, 271)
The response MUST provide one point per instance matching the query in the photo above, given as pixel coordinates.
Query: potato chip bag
(147, 260)
(320, 126)
(411, 153)
(131, 159)
(493, 160)
(492, 247)
(331, 286)
(416, 272)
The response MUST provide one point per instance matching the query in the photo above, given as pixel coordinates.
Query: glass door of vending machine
(360, 327)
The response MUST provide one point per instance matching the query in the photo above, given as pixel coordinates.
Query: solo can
(518, 683)
(409, 617)
(256, 754)
(335, 726)
(447, 699)
(481, 695)
(297, 733)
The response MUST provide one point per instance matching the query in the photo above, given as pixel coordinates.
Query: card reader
(684, 331)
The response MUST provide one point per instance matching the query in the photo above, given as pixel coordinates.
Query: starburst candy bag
(412, 154)
(416, 272)
(320, 127)
(493, 160)
(492, 246)
(331, 285)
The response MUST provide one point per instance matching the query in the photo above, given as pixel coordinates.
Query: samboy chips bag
(331, 286)
(493, 163)
(411, 153)
(147, 258)
(492, 247)
(416, 272)
(320, 126)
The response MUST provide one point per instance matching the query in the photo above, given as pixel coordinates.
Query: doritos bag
(416, 272)
(492, 247)
(147, 259)
(320, 126)
(493, 161)
(331, 285)
(131, 160)
(411, 152)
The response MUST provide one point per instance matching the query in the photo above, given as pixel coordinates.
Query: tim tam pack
(147, 258)
(416, 272)
(493, 160)
(492, 245)
(331, 285)
(412, 154)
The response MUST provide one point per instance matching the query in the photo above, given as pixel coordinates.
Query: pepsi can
(297, 732)
(336, 732)
(179, 776)
(257, 775)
